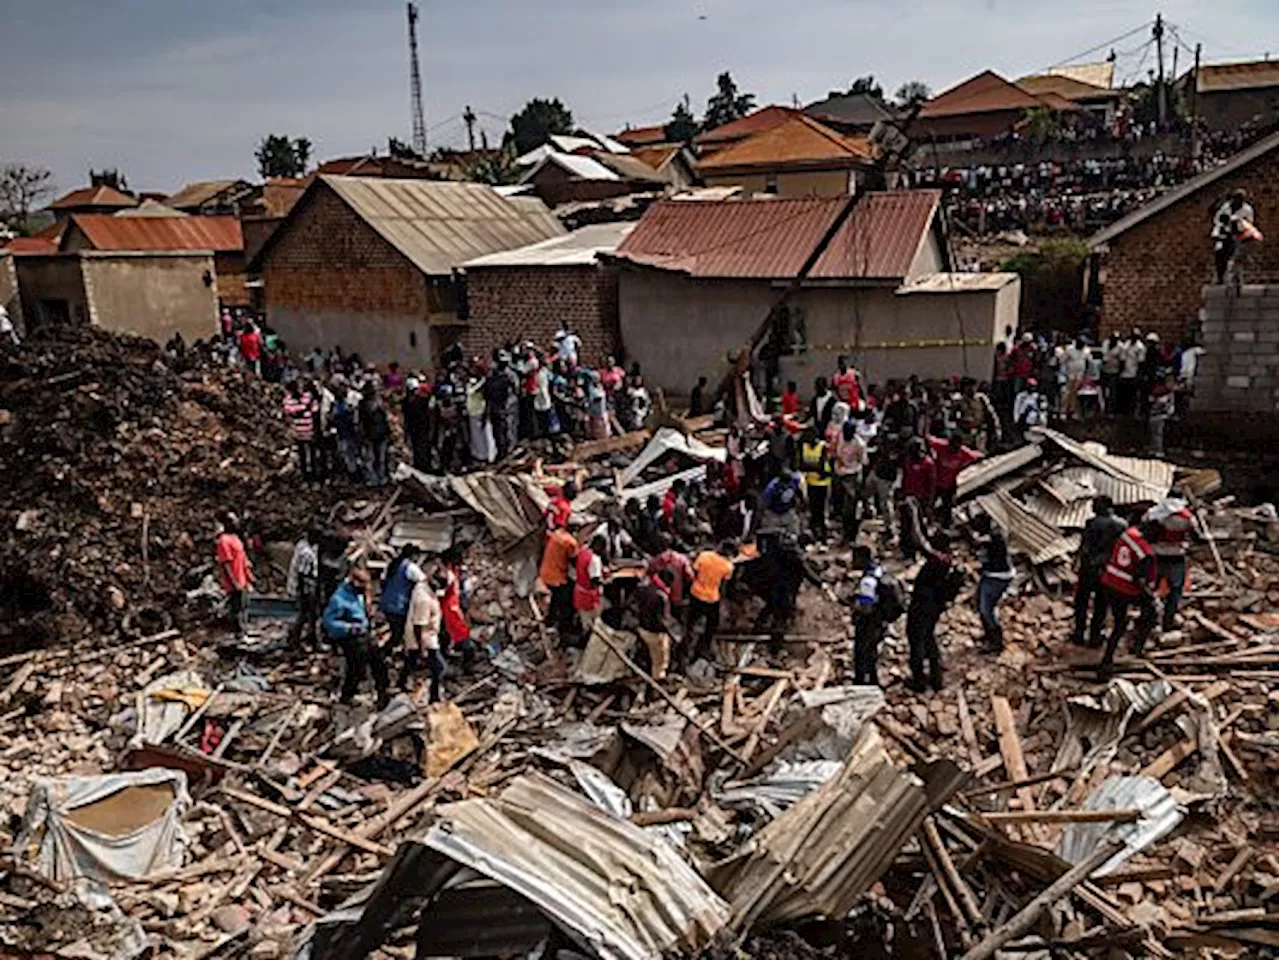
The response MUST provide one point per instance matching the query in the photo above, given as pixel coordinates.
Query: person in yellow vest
(815, 464)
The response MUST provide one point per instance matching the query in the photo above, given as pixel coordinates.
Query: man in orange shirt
(234, 570)
(710, 570)
(557, 556)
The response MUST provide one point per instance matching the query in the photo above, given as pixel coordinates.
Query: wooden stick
(1243, 856)
(107, 650)
(1018, 784)
(279, 732)
(195, 717)
(1026, 918)
(774, 697)
(648, 818)
(1175, 700)
(962, 924)
(20, 676)
(966, 728)
(1011, 749)
(311, 822)
(1129, 815)
(967, 900)
(1162, 764)
(705, 730)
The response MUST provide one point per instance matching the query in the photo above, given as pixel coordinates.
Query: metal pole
(1158, 33)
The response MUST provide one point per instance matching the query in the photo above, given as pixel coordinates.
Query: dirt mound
(104, 438)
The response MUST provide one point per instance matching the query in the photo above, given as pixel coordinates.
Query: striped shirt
(300, 412)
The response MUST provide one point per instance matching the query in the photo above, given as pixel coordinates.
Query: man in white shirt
(1132, 352)
(1075, 361)
(567, 345)
(7, 330)
(422, 636)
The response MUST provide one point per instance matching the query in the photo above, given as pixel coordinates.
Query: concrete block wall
(1241, 336)
(532, 303)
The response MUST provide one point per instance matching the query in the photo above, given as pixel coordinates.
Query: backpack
(891, 598)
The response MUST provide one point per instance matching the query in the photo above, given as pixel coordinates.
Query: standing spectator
(250, 345)
(1030, 409)
(845, 383)
(638, 403)
(375, 430)
(479, 431)
(557, 557)
(654, 613)
(849, 460)
(403, 574)
(235, 573)
(300, 410)
(710, 570)
(612, 378)
(422, 637)
(346, 623)
(1075, 364)
(1024, 360)
(815, 461)
(568, 344)
(1112, 361)
(1002, 382)
(1160, 408)
(527, 367)
(497, 396)
(542, 400)
(821, 406)
(598, 407)
(997, 575)
(303, 584)
(1187, 367)
(1101, 531)
(1132, 354)
(790, 403)
(415, 415)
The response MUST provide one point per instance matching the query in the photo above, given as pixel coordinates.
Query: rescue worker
(777, 515)
(936, 585)
(588, 583)
(710, 570)
(1173, 518)
(1101, 532)
(557, 556)
(1128, 579)
(816, 465)
(877, 603)
(653, 612)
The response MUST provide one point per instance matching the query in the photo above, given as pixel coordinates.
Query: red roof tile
(99, 196)
(983, 93)
(799, 141)
(766, 118)
(25, 246)
(104, 232)
(642, 136)
(771, 239)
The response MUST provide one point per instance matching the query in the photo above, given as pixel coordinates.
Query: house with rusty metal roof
(696, 281)
(368, 263)
(216, 197)
(727, 134)
(1230, 95)
(985, 105)
(799, 157)
(99, 198)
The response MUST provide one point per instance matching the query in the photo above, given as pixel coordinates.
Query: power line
(1108, 43)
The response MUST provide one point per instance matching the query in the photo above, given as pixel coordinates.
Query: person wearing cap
(1030, 409)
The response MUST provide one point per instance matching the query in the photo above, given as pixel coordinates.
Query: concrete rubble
(754, 801)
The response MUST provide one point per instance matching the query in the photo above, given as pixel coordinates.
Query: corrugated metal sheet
(771, 239)
(194, 194)
(1139, 480)
(623, 893)
(956, 283)
(438, 225)
(1161, 813)
(575, 249)
(989, 469)
(100, 196)
(108, 233)
(26, 246)
(1027, 533)
(980, 93)
(1220, 77)
(766, 118)
(1069, 516)
(821, 855)
(1101, 484)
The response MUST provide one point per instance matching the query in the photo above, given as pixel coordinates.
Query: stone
(231, 918)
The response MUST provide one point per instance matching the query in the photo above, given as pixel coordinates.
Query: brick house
(1153, 264)
(530, 293)
(368, 263)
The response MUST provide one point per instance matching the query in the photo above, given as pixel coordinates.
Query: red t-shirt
(1022, 362)
(232, 559)
(559, 510)
(950, 462)
(455, 621)
(250, 345)
(920, 479)
(846, 386)
(790, 403)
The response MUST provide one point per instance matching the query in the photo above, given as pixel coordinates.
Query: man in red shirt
(950, 456)
(560, 509)
(1024, 361)
(919, 485)
(251, 348)
(845, 383)
(790, 399)
(234, 571)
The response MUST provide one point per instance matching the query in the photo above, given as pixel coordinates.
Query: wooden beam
(308, 821)
(1011, 749)
(1128, 815)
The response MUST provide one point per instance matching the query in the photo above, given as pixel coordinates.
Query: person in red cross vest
(1129, 579)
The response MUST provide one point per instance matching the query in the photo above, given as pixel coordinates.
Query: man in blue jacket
(346, 623)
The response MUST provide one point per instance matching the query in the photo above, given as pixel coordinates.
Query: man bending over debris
(710, 570)
(346, 623)
(1130, 578)
(234, 571)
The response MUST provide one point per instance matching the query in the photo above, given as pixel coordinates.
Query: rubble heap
(117, 459)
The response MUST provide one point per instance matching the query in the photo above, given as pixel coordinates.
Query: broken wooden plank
(773, 698)
(310, 821)
(968, 902)
(1238, 862)
(1175, 700)
(1162, 764)
(1011, 749)
(1127, 815)
(966, 728)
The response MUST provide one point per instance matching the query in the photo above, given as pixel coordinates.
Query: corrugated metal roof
(822, 854)
(1064, 516)
(629, 168)
(1063, 86)
(1098, 74)
(1140, 479)
(584, 168)
(202, 191)
(109, 233)
(150, 208)
(772, 238)
(99, 196)
(1122, 491)
(1161, 813)
(957, 282)
(572, 250)
(987, 91)
(799, 142)
(1185, 190)
(642, 136)
(858, 109)
(755, 122)
(1221, 77)
(29, 246)
(438, 225)
(1027, 533)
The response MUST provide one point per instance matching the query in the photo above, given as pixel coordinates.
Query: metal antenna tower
(415, 85)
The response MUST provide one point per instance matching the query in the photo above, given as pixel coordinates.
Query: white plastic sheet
(79, 827)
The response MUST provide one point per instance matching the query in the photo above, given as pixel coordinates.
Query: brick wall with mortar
(1155, 271)
(532, 303)
(1241, 334)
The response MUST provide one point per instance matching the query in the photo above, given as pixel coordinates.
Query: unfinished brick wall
(1155, 271)
(532, 303)
(1241, 334)
(327, 258)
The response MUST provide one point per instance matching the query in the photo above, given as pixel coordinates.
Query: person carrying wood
(1129, 579)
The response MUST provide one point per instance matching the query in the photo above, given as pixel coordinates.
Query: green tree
(1041, 122)
(494, 167)
(22, 189)
(727, 103)
(682, 126)
(912, 94)
(537, 121)
(278, 156)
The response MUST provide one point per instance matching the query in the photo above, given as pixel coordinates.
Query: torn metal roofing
(438, 225)
(1066, 516)
(620, 892)
(576, 249)
(990, 469)
(1161, 813)
(1027, 533)
(583, 168)
(1151, 478)
(822, 854)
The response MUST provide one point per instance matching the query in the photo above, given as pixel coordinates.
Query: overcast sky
(176, 90)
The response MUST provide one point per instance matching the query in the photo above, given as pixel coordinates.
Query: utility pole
(469, 118)
(1157, 33)
(415, 85)
(1194, 105)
